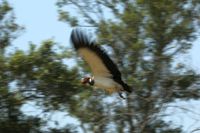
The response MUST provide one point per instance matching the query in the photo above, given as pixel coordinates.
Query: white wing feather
(96, 64)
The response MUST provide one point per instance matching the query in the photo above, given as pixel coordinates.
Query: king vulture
(105, 73)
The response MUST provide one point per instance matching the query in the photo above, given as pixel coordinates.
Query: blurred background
(154, 43)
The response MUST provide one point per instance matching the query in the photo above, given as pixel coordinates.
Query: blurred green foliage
(39, 74)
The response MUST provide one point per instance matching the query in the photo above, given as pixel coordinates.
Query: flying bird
(106, 75)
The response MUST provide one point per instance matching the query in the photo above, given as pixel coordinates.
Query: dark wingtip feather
(79, 39)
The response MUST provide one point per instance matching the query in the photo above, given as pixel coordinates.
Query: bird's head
(87, 80)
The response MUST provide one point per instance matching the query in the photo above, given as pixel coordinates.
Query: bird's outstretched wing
(96, 57)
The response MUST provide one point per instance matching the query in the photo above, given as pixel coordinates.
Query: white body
(107, 84)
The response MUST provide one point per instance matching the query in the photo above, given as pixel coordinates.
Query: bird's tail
(127, 88)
